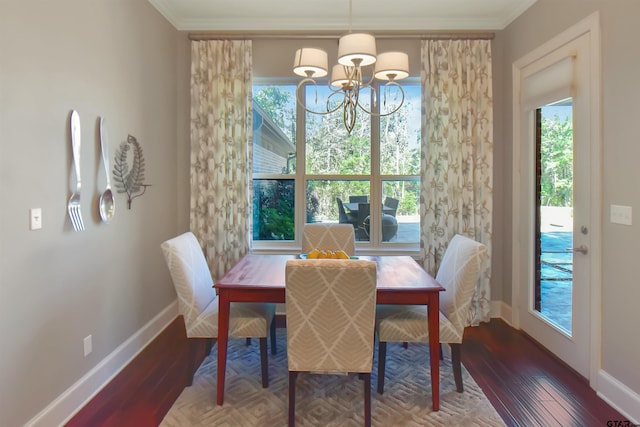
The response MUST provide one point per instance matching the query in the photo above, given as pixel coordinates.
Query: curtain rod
(238, 35)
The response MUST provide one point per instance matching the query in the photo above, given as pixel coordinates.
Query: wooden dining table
(261, 278)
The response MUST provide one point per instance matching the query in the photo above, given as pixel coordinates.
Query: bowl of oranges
(326, 254)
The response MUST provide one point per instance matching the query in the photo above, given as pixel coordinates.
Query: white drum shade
(357, 46)
(310, 62)
(392, 66)
(339, 76)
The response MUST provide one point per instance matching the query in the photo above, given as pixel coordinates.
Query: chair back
(328, 236)
(392, 203)
(331, 308)
(364, 209)
(343, 218)
(358, 199)
(458, 273)
(190, 274)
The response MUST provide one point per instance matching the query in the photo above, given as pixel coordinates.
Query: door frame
(520, 260)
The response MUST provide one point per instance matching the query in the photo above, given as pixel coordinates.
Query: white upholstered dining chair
(458, 274)
(330, 321)
(198, 303)
(328, 236)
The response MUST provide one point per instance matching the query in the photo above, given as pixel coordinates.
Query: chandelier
(358, 65)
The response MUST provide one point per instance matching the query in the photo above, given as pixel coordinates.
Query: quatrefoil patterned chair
(198, 303)
(328, 236)
(331, 308)
(458, 274)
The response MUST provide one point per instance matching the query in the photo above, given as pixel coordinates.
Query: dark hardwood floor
(527, 385)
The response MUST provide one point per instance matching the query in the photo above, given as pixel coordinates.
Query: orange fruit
(342, 255)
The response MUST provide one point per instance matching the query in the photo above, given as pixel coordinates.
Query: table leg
(434, 347)
(223, 335)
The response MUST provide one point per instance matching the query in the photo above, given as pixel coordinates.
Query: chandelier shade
(392, 66)
(357, 49)
(340, 76)
(310, 62)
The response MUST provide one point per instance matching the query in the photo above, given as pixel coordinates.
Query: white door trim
(590, 25)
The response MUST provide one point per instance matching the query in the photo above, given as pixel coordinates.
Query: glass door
(553, 199)
(553, 289)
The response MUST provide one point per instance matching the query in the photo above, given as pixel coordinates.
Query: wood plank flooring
(527, 385)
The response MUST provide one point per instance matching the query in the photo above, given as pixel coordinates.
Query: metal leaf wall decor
(129, 181)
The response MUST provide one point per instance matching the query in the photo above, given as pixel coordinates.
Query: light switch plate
(35, 221)
(621, 214)
(88, 345)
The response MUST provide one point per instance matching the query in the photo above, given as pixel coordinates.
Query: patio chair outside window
(392, 203)
(358, 199)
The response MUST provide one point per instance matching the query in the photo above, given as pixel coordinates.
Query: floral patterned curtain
(221, 128)
(457, 153)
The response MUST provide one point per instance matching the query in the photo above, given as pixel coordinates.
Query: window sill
(411, 251)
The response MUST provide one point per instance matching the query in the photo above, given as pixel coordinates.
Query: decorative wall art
(106, 204)
(129, 175)
(73, 207)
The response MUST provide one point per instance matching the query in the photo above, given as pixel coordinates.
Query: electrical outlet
(621, 214)
(35, 218)
(88, 347)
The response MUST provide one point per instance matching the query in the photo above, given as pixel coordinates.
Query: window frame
(375, 245)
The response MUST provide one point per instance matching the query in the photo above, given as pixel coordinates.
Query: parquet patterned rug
(328, 400)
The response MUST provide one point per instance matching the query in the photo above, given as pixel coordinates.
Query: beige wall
(119, 59)
(621, 151)
(274, 57)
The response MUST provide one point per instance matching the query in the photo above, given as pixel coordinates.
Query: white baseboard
(501, 310)
(65, 406)
(619, 396)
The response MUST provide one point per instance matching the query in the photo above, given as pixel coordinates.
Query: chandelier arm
(370, 82)
(355, 76)
(304, 105)
(349, 115)
(337, 107)
(390, 83)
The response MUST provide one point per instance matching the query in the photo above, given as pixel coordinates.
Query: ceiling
(333, 15)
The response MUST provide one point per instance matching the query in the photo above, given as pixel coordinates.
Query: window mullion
(375, 228)
(301, 167)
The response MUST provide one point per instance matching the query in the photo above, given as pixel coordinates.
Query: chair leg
(382, 355)
(190, 361)
(367, 399)
(248, 342)
(209, 346)
(405, 344)
(273, 335)
(457, 366)
(264, 362)
(292, 398)
(441, 355)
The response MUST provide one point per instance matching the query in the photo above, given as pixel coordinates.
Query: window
(274, 155)
(331, 175)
